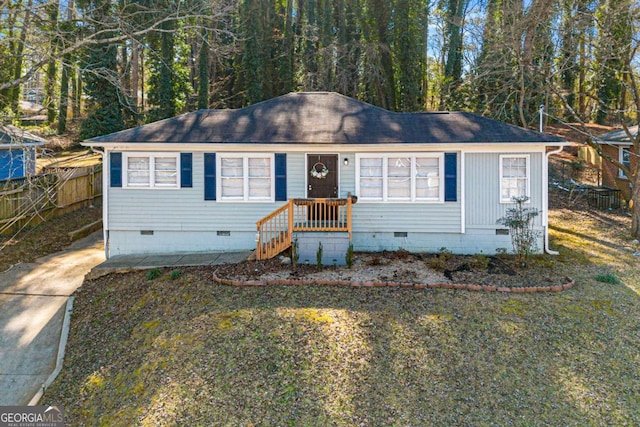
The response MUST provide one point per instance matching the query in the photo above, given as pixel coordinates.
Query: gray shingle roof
(14, 135)
(323, 118)
(618, 136)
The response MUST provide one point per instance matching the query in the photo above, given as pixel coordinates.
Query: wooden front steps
(275, 231)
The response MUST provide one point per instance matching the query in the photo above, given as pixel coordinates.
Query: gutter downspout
(105, 199)
(545, 200)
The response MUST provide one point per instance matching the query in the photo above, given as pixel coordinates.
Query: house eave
(18, 145)
(306, 147)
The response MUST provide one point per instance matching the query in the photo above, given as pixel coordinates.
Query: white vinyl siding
(158, 170)
(514, 177)
(246, 177)
(400, 178)
(483, 193)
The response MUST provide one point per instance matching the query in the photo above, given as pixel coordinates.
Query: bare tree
(627, 117)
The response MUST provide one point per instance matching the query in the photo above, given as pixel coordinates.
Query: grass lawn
(182, 350)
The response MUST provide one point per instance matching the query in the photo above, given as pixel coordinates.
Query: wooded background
(113, 64)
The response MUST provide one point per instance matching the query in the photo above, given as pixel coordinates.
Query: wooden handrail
(273, 214)
(275, 231)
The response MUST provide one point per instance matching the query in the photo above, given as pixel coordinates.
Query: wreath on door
(319, 170)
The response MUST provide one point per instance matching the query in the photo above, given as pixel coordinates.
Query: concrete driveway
(33, 300)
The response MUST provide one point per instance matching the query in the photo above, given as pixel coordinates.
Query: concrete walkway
(33, 300)
(140, 262)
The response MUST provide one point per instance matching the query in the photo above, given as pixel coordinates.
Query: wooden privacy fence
(31, 200)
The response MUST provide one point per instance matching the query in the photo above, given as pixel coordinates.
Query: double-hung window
(246, 177)
(514, 177)
(625, 159)
(401, 177)
(158, 170)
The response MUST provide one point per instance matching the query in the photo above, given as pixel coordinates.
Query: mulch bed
(404, 269)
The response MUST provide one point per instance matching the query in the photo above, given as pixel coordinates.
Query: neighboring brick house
(617, 145)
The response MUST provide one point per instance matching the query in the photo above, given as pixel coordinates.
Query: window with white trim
(246, 177)
(625, 159)
(400, 177)
(514, 177)
(158, 170)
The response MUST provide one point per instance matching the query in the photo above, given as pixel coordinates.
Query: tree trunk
(135, 79)
(52, 69)
(14, 97)
(203, 71)
(76, 91)
(64, 96)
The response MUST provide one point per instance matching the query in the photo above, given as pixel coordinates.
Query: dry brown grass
(45, 238)
(182, 350)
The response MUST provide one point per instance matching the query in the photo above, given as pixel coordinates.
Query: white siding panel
(347, 174)
(482, 178)
(409, 217)
(295, 175)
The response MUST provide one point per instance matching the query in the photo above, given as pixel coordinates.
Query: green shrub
(608, 278)
(436, 263)
(175, 274)
(479, 262)
(295, 255)
(319, 255)
(439, 261)
(520, 219)
(348, 258)
(153, 274)
(445, 254)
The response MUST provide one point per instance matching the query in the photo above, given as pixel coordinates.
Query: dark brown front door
(322, 183)
(322, 176)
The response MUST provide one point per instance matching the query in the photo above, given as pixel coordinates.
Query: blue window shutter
(450, 177)
(209, 176)
(281, 176)
(186, 173)
(115, 172)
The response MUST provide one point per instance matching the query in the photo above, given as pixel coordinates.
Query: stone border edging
(467, 287)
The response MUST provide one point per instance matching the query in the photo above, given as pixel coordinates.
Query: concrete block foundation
(334, 247)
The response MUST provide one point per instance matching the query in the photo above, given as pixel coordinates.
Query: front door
(322, 183)
(322, 176)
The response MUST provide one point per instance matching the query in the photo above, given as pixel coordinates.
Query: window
(246, 177)
(151, 170)
(625, 159)
(514, 177)
(410, 178)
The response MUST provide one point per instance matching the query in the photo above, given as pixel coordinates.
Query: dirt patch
(45, 238)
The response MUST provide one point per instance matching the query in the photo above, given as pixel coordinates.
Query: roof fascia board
(610, 142)
(21, 144)
(397, 147)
